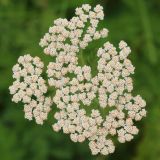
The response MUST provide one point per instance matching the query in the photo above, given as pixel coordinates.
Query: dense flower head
(111, 87)
(30, 88)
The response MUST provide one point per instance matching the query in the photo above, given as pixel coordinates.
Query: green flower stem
(101, 157)
(81, 58)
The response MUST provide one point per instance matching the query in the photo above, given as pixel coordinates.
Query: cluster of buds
(75, 86)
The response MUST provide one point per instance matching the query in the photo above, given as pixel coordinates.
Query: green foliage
(23, 23)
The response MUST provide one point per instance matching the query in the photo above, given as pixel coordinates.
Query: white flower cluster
(76, 89)
(114, 70)
(29, 87)
(112, 86)
(69, 36)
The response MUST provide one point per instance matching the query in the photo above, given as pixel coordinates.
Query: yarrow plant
(112, 86)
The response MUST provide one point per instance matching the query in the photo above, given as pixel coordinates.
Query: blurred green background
(24, 22)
